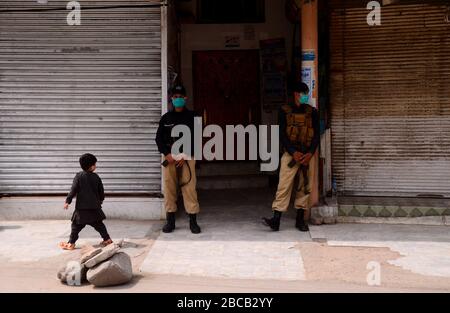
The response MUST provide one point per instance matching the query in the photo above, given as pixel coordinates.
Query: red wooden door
(226, 86)
(227, 89)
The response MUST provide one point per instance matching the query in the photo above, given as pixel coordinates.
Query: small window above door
(230, 11)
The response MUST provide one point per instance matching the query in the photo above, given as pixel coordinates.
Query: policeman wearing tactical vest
(299, 136)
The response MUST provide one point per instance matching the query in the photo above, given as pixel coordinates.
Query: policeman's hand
(297, 156)
(66, 206)
(180, 163)
(306, 158)
(170, 158)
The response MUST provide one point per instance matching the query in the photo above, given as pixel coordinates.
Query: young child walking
(88, 189)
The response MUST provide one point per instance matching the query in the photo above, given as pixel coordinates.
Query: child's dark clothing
(88, 188)
(98, 226)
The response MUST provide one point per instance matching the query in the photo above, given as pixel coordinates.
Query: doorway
(226, 86)
(226, 89)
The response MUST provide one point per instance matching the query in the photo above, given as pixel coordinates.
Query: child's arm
(73, 192)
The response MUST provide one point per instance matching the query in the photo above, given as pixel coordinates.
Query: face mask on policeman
(304, 99)
(178, 97)
(301, 94)
(301, 98)
(178, 101)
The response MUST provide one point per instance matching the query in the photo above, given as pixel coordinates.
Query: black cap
(87, 160)
(178, 89)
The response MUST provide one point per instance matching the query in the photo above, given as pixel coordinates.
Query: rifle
(304, 171)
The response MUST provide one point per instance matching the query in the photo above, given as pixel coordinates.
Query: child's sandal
(106, 242)
(67, 246)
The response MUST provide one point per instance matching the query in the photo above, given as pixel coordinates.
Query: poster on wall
(307, 78)
(308, 74)
(274, 73)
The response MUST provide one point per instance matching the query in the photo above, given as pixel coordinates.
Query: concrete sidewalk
(236, 253)
(242, 258)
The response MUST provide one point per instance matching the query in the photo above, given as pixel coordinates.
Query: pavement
(236, 253)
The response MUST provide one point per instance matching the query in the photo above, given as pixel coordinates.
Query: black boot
(274, 222)
(300, 221)
(195, 229)
(170, 224)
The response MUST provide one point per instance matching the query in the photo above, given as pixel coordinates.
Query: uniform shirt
(164, 139)
(285, 142)
(88, 188)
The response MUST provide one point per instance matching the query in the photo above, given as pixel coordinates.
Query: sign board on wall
(232, 41)
(308, 74)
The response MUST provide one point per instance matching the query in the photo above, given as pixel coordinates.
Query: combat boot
(170, 223)
(195, 229)
(300, 223)
(274, 222)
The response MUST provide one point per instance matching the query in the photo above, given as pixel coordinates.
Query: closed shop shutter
(390, 99)
(67, 90)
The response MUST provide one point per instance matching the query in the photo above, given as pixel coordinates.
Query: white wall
(211, 37)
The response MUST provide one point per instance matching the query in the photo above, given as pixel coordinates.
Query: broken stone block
(115, 271)
(90, 254)
(105, 254)
(62, 274)
(72, 274)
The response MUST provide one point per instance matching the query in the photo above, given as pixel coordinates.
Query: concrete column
(309, 40)
(310, 74)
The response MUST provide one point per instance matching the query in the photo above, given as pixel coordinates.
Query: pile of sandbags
(101, 267)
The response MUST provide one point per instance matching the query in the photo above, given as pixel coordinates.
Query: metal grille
(66, 90)
(390, 99)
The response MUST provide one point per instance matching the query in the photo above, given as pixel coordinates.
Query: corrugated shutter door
(66, 90)
(390, 99)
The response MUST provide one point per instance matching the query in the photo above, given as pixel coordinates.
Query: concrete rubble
(99, 266)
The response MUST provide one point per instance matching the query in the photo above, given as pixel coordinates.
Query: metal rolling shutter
(390, 99)
(66, 90)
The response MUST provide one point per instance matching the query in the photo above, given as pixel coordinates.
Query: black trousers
(98, 226)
